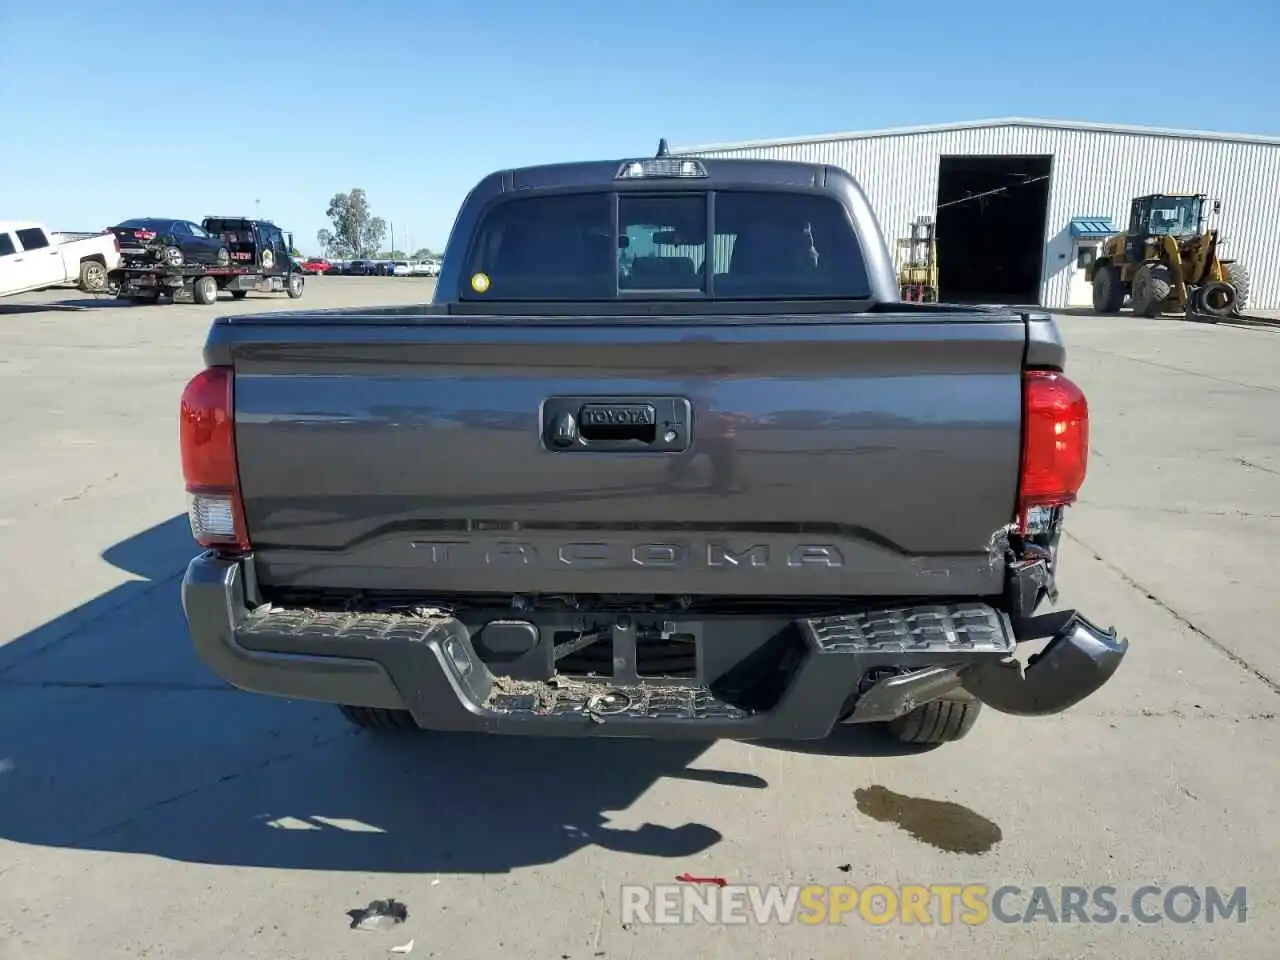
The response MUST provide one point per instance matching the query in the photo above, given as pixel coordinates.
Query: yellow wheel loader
(1167, 261)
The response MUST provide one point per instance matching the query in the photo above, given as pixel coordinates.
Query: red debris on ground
(690, 878)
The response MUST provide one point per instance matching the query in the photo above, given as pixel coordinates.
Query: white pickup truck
(33, 257)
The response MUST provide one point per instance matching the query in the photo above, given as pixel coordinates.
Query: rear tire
(380, 719)
(239, 294)
(1108, 291)
(941, 721)
(293, 286)
(1238, 276)
(93, 276)
(205, 291)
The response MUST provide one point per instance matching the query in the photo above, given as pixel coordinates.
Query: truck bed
(841, 452)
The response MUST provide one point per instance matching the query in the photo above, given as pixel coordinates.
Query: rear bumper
(858, 668)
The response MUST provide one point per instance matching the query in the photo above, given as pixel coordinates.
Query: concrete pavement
(147, 810)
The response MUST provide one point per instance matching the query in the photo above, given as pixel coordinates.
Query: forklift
(918, 263)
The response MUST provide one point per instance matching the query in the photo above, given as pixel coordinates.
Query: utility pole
(257, 209)
(393, 237)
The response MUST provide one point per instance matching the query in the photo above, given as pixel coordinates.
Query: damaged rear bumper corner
(1078, 660)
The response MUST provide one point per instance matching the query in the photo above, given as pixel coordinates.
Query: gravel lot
(147, 810)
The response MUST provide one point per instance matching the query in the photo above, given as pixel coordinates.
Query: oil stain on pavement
(947, 826)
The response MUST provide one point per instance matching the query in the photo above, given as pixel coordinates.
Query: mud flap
(1077, 661)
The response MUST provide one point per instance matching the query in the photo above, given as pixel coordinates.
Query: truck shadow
(116, 738)
(63, 306)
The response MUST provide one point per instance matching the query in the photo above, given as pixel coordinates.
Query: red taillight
(144, 234)
(1055, 446)
(208, 442)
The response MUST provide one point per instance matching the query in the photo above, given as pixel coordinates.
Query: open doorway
(991, 218)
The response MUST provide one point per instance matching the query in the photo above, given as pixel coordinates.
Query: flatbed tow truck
(201, 284)
(260, 263)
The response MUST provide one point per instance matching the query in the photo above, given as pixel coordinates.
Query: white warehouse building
(1021, 205)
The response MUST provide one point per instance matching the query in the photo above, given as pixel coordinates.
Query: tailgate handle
(618, 421)
(636, 424)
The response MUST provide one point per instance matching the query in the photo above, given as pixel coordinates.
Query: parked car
(357, 268)
(174, 243)
(33, 257)
(316, 265)
(401, 268)
(886, 574)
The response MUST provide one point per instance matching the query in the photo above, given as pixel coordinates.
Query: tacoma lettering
(597, 554)
(718, 555)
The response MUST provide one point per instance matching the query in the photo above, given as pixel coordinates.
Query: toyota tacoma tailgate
(666, 451)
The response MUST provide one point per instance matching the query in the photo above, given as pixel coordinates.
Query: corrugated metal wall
(1094, 173)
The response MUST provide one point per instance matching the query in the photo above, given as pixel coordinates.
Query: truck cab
(255, 243)
(28, 258)
(33, 257)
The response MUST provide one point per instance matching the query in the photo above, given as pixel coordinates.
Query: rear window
(32, 238)
(216, 225)
(765, 245)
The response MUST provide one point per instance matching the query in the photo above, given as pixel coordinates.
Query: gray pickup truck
(666, 457)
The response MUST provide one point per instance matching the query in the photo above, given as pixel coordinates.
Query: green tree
(426, 253)
(356, 231)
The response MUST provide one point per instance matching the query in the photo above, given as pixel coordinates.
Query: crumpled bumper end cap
(1077, 661)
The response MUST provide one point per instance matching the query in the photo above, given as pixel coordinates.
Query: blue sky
(188, 109)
